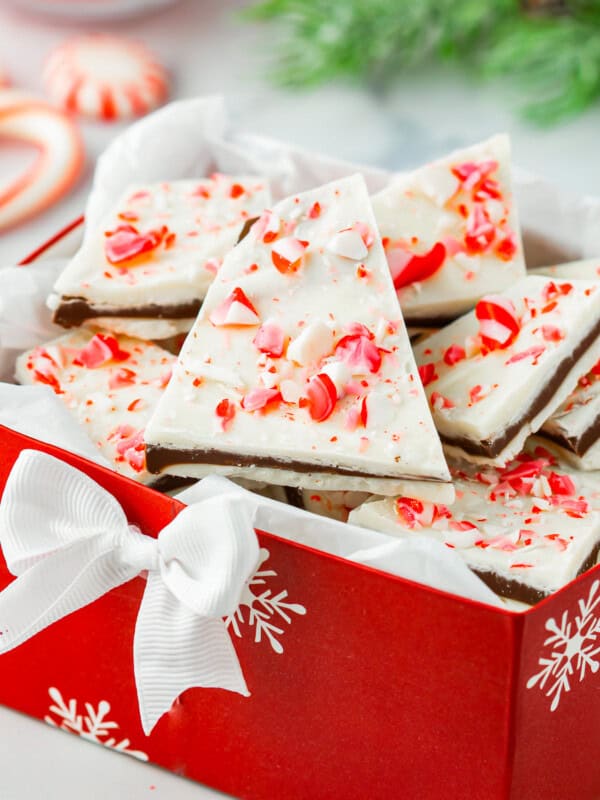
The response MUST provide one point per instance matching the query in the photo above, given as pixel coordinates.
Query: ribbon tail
(175, 650)
(60, 584)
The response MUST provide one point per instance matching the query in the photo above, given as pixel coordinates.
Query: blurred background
(386, 82)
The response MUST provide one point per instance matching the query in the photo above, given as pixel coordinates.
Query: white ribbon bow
(68, 542)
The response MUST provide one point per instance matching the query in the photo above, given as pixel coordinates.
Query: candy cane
(25, 118)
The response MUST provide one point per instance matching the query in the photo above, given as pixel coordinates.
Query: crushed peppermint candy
(306, 356)
(110, 383)
(531, 515)
(450, 231)
(505, 352)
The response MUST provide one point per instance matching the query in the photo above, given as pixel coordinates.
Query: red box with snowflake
(362, 684)
(359, 680)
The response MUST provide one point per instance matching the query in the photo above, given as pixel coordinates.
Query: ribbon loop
(68, 542)
(205, 563)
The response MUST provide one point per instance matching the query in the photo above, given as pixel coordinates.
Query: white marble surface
(209, 50)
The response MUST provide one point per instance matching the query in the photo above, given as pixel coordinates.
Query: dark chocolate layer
(74, 311)
(516, 590)
(493, 447)
(159, 458)
(576, 444)
(168, 483)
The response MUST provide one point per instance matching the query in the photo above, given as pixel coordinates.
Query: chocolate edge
(516, 590)
(73, 311)
(493, 447)
(159, 458)
(576, 444)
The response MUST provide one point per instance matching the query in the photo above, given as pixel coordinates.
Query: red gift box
(363, 684)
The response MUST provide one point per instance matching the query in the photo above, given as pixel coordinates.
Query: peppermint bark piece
(147, 270)
(299, 365)
(451, 233)
(575, 426)
(498, 373)
(111, 384)
(526, 530)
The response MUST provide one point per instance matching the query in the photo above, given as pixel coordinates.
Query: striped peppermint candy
(106, 77)
(498, 321)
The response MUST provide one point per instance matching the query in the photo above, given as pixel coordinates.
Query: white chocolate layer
(205, 216)
(113, 400)
(464, 203)
(533, 522)
(318, 288)
(149, 329)
(587, 269)
(478, 394)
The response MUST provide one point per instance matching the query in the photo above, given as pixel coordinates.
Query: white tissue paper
(193, 138)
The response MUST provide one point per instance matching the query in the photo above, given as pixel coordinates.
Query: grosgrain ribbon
(68, 542)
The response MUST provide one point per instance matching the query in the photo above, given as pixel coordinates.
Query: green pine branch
(553, 58)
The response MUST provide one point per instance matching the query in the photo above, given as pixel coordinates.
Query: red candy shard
(360, 352)
(44, 374)
(99, 350)
(287, 254)
(131, 446)
(561, 484)
(315, 211)
(498, 321)
(225, 410)
(475, 393)
(122, 377)
(461, 525)
(472, 173)
(126, 243)
(364, 415)
(267, 226)
(532, 352)
(270, 339)
(236, 190)
(236, 309)
(322, 397)
(408, 510)
(552, 333)
(553, 290)
(439, 401)
(427, 373)
(454, 354)
(480, 231)
(259, 398)
(507, 247)
(407, 268)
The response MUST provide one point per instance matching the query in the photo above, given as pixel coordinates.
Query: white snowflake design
(263, 608)
(574, 649)
(93, 725)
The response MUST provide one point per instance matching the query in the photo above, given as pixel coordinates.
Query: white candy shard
(315, 342)
(348, 244)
